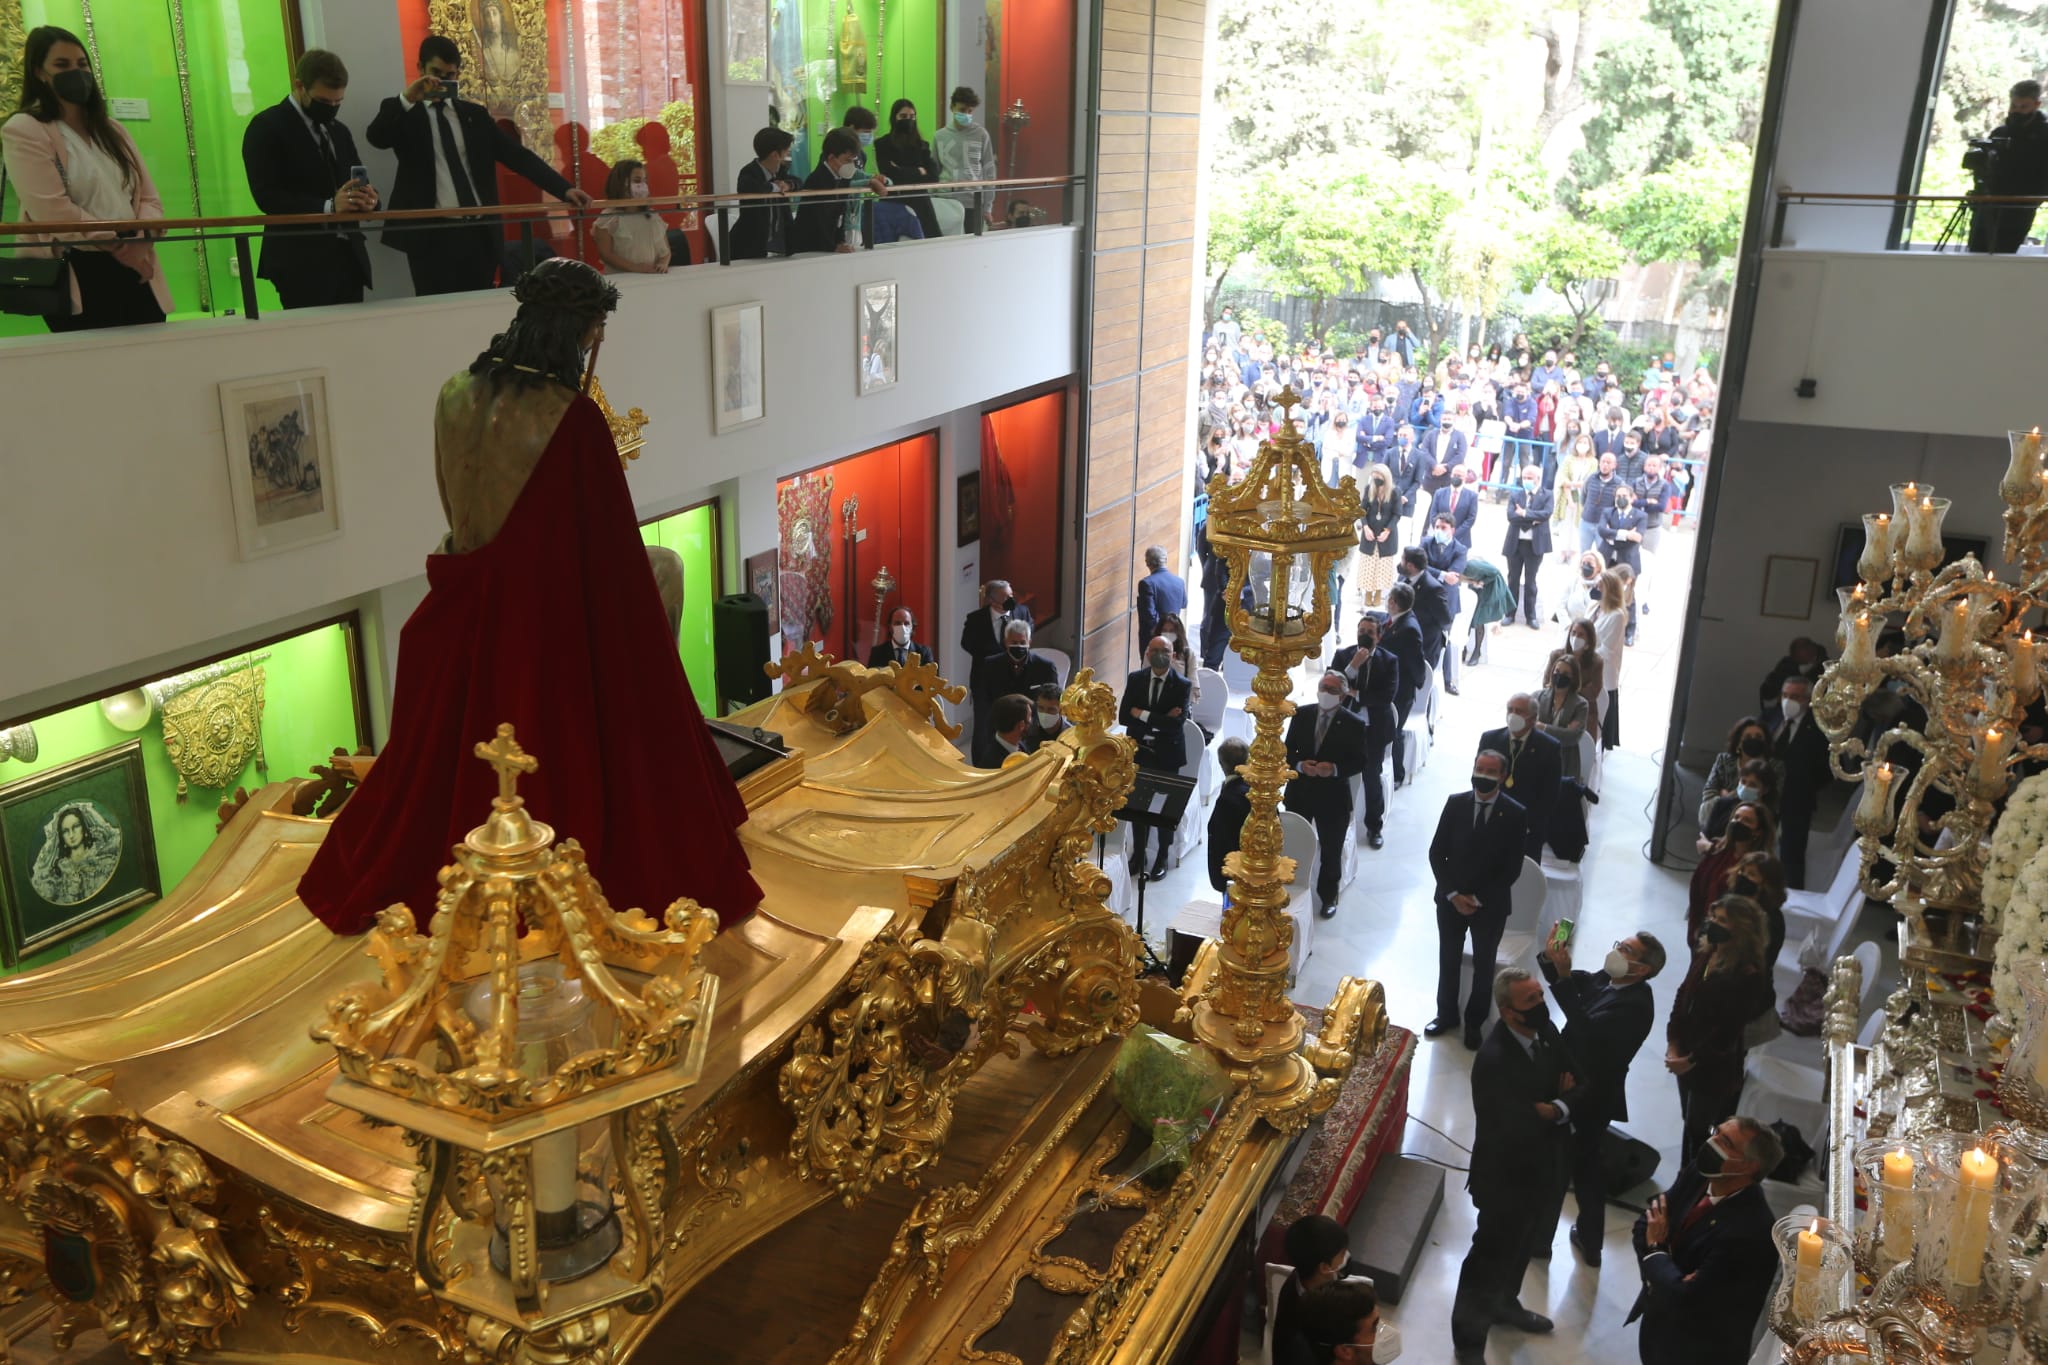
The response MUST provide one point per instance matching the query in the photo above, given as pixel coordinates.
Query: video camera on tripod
(1981, 159)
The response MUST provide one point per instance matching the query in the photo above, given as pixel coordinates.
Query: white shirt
(638, 235)
(1610, 631)
(93, 179)
(445, 196)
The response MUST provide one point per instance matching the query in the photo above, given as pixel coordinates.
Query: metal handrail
(1785, 199)
(242, 228)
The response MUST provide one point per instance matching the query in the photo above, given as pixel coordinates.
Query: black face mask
(1561, 680)
(75, 86)
(320, 111)
(1709, 1162)
(1019, 653)
(1746, 886)
(1009, 604)
(1485, 786)
(1754, 746)
(1739, 832)
(907, 127)
(1716, 933)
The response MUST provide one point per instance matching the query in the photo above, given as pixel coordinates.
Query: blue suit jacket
(1160, 594)
(1461, 506)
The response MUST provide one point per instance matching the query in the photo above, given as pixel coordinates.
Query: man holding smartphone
(301, 158)
(449, 151)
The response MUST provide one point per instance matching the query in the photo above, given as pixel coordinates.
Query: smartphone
(1561, 933)
(447, 89)
(359, 174)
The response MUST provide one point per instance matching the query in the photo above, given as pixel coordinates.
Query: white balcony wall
(119, 551)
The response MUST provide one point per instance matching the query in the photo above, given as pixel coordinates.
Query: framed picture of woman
(76, 848)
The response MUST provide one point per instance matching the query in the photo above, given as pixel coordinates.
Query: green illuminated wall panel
(693, 534)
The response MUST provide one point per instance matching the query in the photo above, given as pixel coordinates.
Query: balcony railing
(1955, 209)
(535, 223)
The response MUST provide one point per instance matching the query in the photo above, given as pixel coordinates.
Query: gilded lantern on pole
(529, 1046)
(1280, 529)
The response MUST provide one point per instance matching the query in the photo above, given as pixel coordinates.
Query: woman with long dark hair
(72, 166)
(906, 158)
(1728, 985)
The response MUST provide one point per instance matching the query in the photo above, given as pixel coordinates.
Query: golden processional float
(556, 1131)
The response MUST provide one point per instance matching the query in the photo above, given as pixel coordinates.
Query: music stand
(1157, 802)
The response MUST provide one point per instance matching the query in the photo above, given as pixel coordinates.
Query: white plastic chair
(1811, 1053)
(1214, 700)
(1060, 660)
(1806, 911)
(1531, 892)
(1193, 828)
(1298, 841)
(1116, 865)
(1563, 886)
(1589, 761)
(1205, 772)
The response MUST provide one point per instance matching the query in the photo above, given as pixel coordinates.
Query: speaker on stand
(739, 644)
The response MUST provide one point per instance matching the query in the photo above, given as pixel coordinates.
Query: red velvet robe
(555, 626)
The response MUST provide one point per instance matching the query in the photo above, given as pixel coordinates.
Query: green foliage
(1691, 210)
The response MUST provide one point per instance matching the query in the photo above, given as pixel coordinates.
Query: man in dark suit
(1404, 461)
(761, 229)
(1009, 728)
(981, 634)
(1402, 638)
(1154, 705)
(1797, 743)
(1458, 503)
(1376, 432)
(1522, 1092)
(298, 156)
(1528, 543)
(1326, 746)
(1047, 724)
(449, 151)
(1607, 1015)
(1475, 857)
(1161, 593)
(1233, 805)
(1610, 439)
(1705, 1251)
(1372, 681)
(1435, 610)
(828, 222)
(1012, 669)
(900, 647)
(1443, 449)
(1215, 613)
(1535, 767)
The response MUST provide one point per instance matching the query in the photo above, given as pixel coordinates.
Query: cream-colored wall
(119, 546)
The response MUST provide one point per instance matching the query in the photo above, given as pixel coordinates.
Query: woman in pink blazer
(73, 165)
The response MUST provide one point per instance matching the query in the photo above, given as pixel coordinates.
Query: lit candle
(1923, 533)
(2041, 1059)
(1861, 653)
(2020, 485)
(1896, 1206)
(1806, 1275)
(1875, 563)
(1955, 632)
(2025, 680)
(1991, 759)
(1877, 794)
(1971, 1229)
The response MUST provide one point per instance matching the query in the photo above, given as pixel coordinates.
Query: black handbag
(35, 285)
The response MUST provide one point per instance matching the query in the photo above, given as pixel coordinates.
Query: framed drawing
(967, 509)
(737, 399)
(877, 304)
(1789, 581)
(762, 572)
(746, 42)
(76, 848)
(280, 461)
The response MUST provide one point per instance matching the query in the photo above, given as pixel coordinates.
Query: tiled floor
(1385, 929)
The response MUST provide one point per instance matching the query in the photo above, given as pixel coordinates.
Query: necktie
(1153, 705)
(1696, 1212)
(1322, 729)
(327, 155)
(464, 194)
(1479, 813)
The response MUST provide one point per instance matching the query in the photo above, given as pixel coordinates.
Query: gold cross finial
(1287, 399)
(504, 754)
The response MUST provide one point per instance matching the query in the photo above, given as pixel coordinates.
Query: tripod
(1957, 225)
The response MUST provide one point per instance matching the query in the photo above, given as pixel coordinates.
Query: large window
(1991, 45)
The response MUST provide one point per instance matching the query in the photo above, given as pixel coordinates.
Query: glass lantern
(1819, 1271)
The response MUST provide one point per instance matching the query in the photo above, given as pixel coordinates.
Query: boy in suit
(297, 155)
(1705, 1251)
(1326, 747)
(449, 151)
(1475, 856)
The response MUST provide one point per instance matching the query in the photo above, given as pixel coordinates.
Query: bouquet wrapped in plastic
(1171, 1089)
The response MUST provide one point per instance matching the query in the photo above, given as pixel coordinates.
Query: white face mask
(1170, 637)
(900, 633)
(1517, 723)
(1386, 1344)
(1049, 720)
(1328, 700)
(1794, 709)
(1617, 966)
(848, 170)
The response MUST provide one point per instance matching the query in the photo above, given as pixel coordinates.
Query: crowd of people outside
(73, 165)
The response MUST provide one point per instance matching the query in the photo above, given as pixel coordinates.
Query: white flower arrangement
(2024, 933)
(2021, 832)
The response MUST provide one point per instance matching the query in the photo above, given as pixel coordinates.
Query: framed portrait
(280, 461)
(746, 42)
(877, 303)
(967, 509)
(504, 46)
(763, 570)
(1789, 581)
(76, 848)
(737, 396)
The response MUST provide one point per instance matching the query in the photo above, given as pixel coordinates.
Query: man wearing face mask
(1436, 608)
(1797, 742)
(1161, 593)
(298, 155)
(900, 647)
(1009, 732)
(1607, 1015)
(1233, 807)
(1402, 638)
(981, 634)
(1594, 499)
(1340, 1324)
(1535, 768)
(1530, 506)
(1372, 680)
(1456, 503)
(1523, 1091)
(1475, 857)
(1326, 746)
(1047, 724)
(1016, 669)
(761, 229)
(1803, 658)
(1705, 1250)
(831, 222)
(1155, 703)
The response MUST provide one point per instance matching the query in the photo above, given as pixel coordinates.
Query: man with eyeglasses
(1607, 1015)
(1705, 1251)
